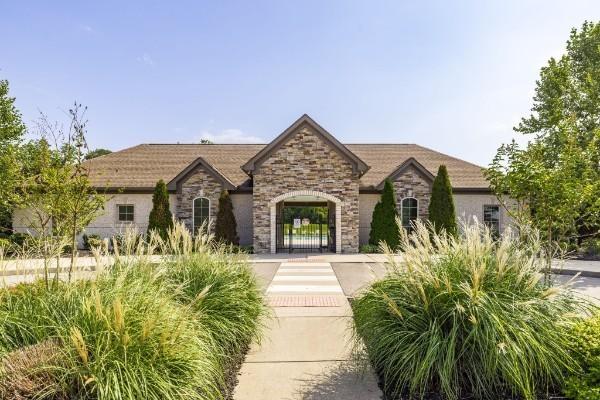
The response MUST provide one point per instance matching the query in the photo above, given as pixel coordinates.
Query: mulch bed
(232, 372)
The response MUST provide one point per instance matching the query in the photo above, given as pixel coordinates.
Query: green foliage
(12, 128)
(369, 249)
(463, 316)
(140, 330)
(383, 224)
(441, 205)
(591, 247)
(160, 219)
(90, 241)
(12, 131)
(586, 347)
(226, 226)
(555, 180)
(97, 153)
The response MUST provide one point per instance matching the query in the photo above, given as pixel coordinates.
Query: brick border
(338, 215)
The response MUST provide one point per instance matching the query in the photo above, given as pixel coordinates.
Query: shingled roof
(139, 168)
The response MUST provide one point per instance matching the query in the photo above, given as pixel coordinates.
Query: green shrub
(591, 247)
(246, 248)
(90, 241)
(383, 223)
(160, 219)
(18, 239)
(586, 347)
(5, 245)
(231, 305)
(441, 207)
(369, 248)
(465, 317)
(140, 330)
(225, 226)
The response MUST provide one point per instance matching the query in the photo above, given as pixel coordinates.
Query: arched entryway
(305, 235)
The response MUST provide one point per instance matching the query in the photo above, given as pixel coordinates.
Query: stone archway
(325, 196)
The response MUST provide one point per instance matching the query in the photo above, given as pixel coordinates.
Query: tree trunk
(73, 245)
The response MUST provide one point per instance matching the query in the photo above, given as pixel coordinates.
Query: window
(200, 212)
(410, 212)
(491, 218)
(125, 212)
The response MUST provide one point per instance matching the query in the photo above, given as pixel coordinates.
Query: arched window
(410, 212)
(200, 212)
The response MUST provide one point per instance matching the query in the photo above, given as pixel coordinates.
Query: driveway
(355, 276)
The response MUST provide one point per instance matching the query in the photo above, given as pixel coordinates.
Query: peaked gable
(227, 184)
(358, 165)
(411, 162)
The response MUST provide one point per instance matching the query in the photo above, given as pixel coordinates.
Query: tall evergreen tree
(441, 207)
(226, 227)
(383, 224)
(160, 219)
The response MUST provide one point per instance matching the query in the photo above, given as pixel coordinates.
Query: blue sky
(455, 76)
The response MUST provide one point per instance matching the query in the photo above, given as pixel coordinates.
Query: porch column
(273, 208)
(338, 227)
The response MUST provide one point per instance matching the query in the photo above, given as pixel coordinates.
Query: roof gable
(411, 162)
(358, 165)
(227, 184)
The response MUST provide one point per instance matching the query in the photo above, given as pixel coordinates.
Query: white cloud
(230, 136)
(86, 28)
(146, 59)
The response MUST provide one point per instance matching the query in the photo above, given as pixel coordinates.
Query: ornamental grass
(467, 317)
(139, 330)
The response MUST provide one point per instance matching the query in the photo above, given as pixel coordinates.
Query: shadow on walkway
(344, 380)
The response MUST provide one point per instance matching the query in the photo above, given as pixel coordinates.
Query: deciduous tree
(555, 178)
(12, 131)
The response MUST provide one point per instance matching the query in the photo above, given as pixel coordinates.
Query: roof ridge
(203, 144)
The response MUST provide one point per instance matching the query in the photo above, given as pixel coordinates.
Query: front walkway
(306, 351)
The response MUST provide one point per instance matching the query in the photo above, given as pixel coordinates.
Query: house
(304, 168)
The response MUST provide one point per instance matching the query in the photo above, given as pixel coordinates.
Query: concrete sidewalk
(306, 352)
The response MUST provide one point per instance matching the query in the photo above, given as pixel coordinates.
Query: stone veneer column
(306, 162)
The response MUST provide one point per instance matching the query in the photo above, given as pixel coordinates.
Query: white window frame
(402, 207)
(194, 228)
(119, 213)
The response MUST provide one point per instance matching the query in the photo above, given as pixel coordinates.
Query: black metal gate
(302, 234)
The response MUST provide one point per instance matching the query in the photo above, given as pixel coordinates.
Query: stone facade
(305, 162)
(198, 183)
(412, 183)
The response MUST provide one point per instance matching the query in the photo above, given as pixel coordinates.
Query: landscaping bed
(175, 330)
(466, 317)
